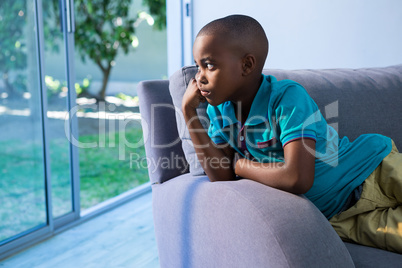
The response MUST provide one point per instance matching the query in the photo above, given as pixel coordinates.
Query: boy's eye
(210, 66)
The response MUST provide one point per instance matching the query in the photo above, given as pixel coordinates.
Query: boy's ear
(249, 63)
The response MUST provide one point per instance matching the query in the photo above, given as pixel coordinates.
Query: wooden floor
(123, 237)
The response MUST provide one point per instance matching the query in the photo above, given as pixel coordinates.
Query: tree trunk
(7, 85)
(105, 80)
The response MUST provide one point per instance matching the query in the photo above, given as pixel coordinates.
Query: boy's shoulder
(285, 87)
(280, 85)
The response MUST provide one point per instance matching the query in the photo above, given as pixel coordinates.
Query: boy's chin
(213, 103)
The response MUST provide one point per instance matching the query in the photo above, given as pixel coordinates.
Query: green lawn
(102, 175)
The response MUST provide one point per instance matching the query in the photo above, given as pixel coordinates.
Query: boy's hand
(192, 97)
(207, 152)
(236, 158)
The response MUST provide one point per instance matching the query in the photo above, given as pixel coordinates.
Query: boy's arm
(294, 175)
(217, 162)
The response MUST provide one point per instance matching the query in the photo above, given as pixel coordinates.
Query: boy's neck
(243, 107)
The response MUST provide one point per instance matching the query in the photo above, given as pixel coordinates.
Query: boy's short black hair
(247, 30)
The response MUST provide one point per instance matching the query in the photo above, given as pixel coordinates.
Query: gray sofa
(243, 223)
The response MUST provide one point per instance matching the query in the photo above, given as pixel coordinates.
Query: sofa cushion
(177, 86)
(368, 257)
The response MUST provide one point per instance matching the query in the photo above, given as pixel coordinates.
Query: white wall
(307, 33)
(174, 33)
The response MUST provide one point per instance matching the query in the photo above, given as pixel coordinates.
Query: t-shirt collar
(259, 107)
(228, 114)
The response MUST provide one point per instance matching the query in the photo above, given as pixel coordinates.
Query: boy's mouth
(205, 92)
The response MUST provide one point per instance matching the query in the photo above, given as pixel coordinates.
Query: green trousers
(376, 219)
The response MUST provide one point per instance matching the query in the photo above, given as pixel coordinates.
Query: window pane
(22, 178)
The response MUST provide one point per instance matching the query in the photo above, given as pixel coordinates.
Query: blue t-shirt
(282, 111)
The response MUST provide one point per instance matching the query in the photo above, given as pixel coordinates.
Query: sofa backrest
(353, 101)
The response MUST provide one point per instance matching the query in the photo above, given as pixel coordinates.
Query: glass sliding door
(42, 149)
(22, 165)
(38, 178)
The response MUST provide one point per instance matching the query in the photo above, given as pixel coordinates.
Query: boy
(272, 132)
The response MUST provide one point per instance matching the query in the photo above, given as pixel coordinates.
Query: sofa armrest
(241, 224)
(163, 148)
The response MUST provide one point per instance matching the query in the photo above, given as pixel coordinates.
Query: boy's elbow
(215, 179)
(302, 183)
(220, 175)
(301, 188)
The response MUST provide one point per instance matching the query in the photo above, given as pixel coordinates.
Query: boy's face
(219, 76)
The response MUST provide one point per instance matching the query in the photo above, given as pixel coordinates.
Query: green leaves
(103, 28)
(12, 40)
(157, 8)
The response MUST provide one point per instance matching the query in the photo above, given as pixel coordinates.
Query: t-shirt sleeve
(296, 114)
(213, 129)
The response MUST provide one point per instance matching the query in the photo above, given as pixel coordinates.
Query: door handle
(70, 16)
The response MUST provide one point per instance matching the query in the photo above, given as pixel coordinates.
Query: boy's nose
(197, 76)
(200, 78)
